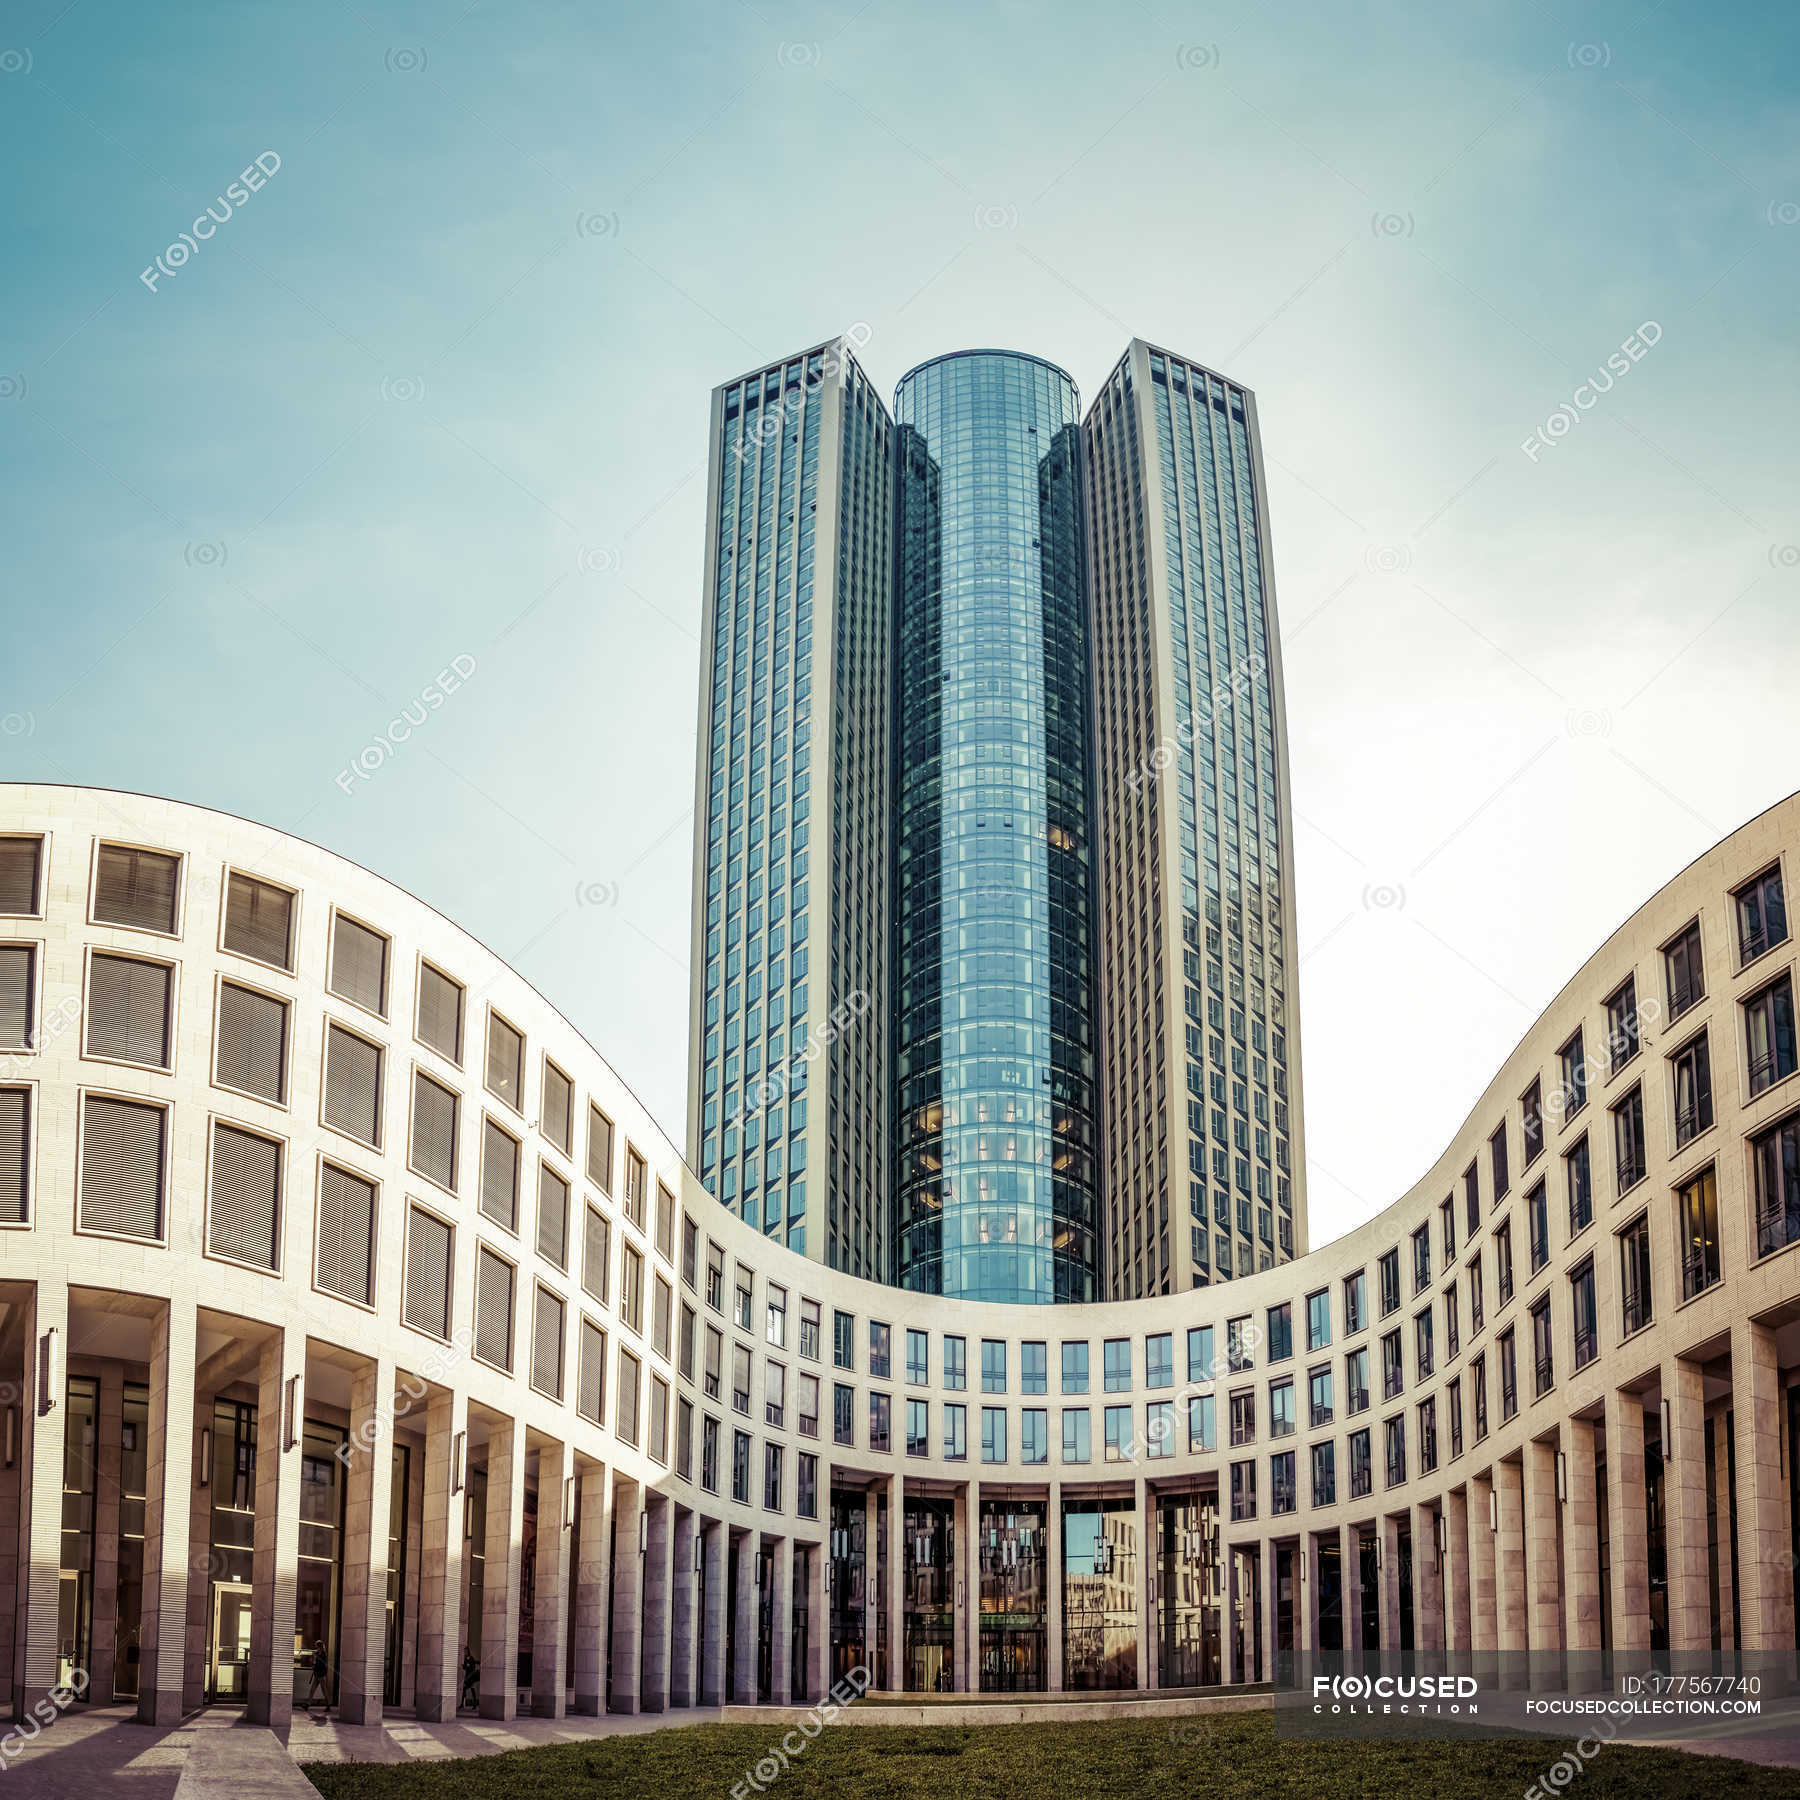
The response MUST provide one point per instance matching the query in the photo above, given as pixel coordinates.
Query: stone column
(895, 1598)
(659, 1556)
(818, 1613)
(1389, 1590)
(1351, 1567)
(109, 1429)
(1306, 1598)
(972, 1580)
(1428, 1580)
(550, 1583)
(716, 1538)
(502, 1567)
(1581, 1554)
(169, 1502)
(745, 1627)
(1510, 1589)
(368, 1472)
(438, 1684)
(1232, 1658)
(1458, 1641)
(963, 1530)
(626, 1651)
(43, 1415)
(1628, 1550)
(781, 1616)
(683, 1631)
(1684, 1508)
(593, 1585)
(1053, 1589)
(1543, 1563)
(872, 1597)
(1765, 1561)
(280, 1421)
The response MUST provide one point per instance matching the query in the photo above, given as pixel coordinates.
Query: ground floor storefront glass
(1100, 1578)
(930, 1596)
(1011, 1546)
(1187, 1590)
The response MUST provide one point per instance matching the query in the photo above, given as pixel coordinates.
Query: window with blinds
(243, 1214)
(627, 1416)
(251, 1052)
(137, 888)
(505, 1061)
(20, 860)
(494, 1309)
(128, 1010)
(559, 1107)
(590, 1402)
(121, 1168)
(18, 984)
(665, 1223)
(500, 1176)
(659, 1419)
(553, 1216)
(345, 1263)
(259, 921)
(352, 1085)
(359, 959)
(15, 1156)
(428, 1271)
(434, 1131)
(440, 1022)
(596, 1257)
(547, 1345)
(635, 1177)
(600, 1150)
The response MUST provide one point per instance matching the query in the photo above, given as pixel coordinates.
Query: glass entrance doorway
(228, 1677)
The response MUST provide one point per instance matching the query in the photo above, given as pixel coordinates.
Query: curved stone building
(349, 1298)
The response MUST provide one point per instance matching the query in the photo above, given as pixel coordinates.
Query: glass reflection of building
(930, 1595)
(1186, 1590)
(993, 1014)
(1100, 1573)
(1013, 1602)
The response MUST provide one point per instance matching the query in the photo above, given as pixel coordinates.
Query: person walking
(321, 1677)
(471, 1674)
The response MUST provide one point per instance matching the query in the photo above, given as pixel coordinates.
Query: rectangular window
(259, 921)
(993, 1366)
(243, 1214)
(1580, 1178)
(918, 1428)
(1281, 1332)
(1281, 1408)
(359, 965)
(662, 1306)
(1393, 1368)
(775, 1316)
(1243, 1417)
(1697, 1213)
(1629, 1155)
(596, 1255)
(1243, 1491)
(1447, 1228)
(1388, 1268)
(880, 1351)
(439, 1025)
(122, 1151)
(993, 1434)
(1034, 1368)
(1537, 1222)
(1472, 1181)
(1769, 1033)
(136, 888)
(1476, 1296)
(505, 1062)
(433, 1149)
(1572, 1058)
(21, 858)
(740, 1467)
(600, 1150)
(1509, 1376)
(1355, 1303)
(1500, 1174)
(771, 1477)
(1238, 1356)
(1202, 1423)
(843, 1414)
(843, 1340)
(591, 1374)
(806, 1486)
(1324, 1474)
(1318, 1322)
(637, 1186)
(1454, 1395)
(1692, 1073)
(715, 1362)
(956, 1432)
(631, 1288)
(18, 988)
(684, 1442)
(1531, 1104)
(1684, 971)
(665, 1223)
(690, 1270)
(1362, 1464)
(1503, 1261)
(1421, 1249)
(352, 1085)
(429, 1268)
(740, 1378)
(1319, 1398)
(1542, 1357)
(715, 1276)
(808, 1405)
(1622, 1025)
(1034, 1435)
(880, 1423)
(547, 1344)
(558, 1098)
(1356, 1380)
(1634, 1275)
(1452, 1324)
(1282, 1498)
(553, 1216)
(251, 1051)
(774, 1393)
(743, 1305)
(1584, 1314)
(1074, 1368)
(1117, 1422)
(1478, 1384)
(1394, 1436)
(1775, 1157)
(344, 1259)
(1761, 915)
(1117, 1352)
(128, 1010)
(494, 1309)
(809, 1330)
(956, 1371)
(1424, 1345)
(709, 1453)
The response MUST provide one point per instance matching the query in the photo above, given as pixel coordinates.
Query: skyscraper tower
(1014, 679)
(993, 1041)
(1199, 1012)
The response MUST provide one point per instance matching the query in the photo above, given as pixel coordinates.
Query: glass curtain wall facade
(1200, 1015)
(993, 1026)
(789, 959)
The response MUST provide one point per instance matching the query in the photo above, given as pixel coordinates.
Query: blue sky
(438, 389)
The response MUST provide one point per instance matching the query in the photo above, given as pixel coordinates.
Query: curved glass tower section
(993, 1038)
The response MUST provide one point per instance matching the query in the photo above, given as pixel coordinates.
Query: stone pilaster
(781, 1615)
(1628, 1557)
(280, 1422)
(438, 1682)
(550, 1582)
(1684, 1508)
(368, 1467)
(502, 1568)
(1765, 1558)
(627, 1648)
(1543, 1562)
(170, 1501)
(659, 1582)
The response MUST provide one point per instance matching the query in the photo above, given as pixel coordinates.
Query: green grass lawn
(1228, 1757)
